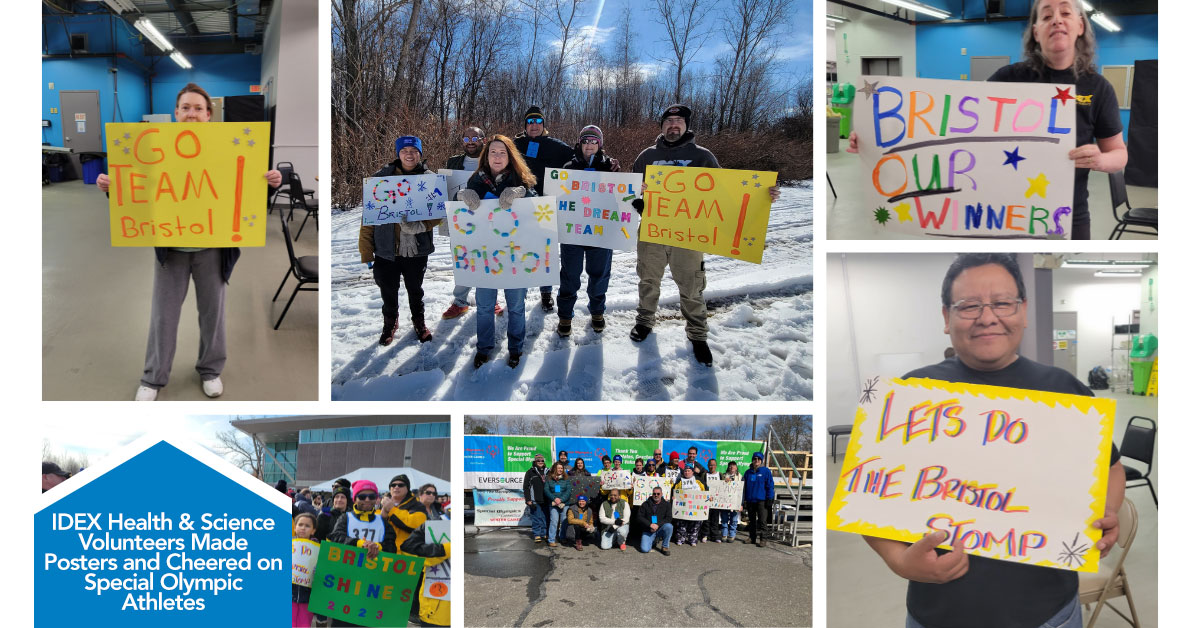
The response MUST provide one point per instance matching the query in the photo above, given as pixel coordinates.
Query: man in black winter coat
(654, 515)
(534, 488)
(541, 151)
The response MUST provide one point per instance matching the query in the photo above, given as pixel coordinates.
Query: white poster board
(403, 198)
(304, 561)
(1015, 474)
(437, 531)
(504, 248)
(966, 159)
(437, 582)
(596, 208)
(644, 485)
(691, 505)
(456, 180)
(727, 495)
(616, 478)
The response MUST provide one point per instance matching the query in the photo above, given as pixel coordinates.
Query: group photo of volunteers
(178, 204)
(643, 494)
(644, 246)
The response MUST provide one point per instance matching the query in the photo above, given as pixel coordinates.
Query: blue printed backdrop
(163, 479)
(705, 449)
(590, 449)
(483, 454)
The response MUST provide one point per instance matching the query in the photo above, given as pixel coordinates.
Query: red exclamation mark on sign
(237, 200)
(737, 235)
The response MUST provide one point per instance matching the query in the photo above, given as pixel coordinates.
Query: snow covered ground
(759, 329)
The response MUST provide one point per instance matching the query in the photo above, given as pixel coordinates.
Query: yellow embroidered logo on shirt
(1080, 99)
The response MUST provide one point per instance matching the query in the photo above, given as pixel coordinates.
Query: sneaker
(145, 393)
(547, 302)
(514, 359)
(702, 353)
(564, 327)
(597, 323)
(702, 540)
(480, 358)
(693, 544)
(499, 309)
(639, 333)
(212, 387)
(717, 541)
(622, 547)
(680, 543)
(454, 311)
(553, 544)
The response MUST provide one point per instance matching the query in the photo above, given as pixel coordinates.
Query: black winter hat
(534, 109)
(677, 110)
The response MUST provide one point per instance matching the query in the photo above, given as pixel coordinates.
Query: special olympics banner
(739, 451)
(705, 449)
(591, 448)
(362, 602)
(500, 462)
(596, 208)
(714, 210)
(691, 505)
(403, 198)
(187, 184)
(616, 478)
(1015, 474)
(304, 561)
(504, 248)
(644, 485)
(500, 507)
(966, 158)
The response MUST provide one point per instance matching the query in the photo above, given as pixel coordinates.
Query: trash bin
(93, 166)
(843, 105)
(832, 121)
(1141, 358)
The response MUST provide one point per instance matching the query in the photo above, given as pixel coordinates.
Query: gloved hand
(470, 197)
(509, 195)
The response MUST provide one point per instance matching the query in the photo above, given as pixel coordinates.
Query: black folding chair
(286, 169)
(1134, 216)
(1138, 444)
(298, 200)
(305, 269)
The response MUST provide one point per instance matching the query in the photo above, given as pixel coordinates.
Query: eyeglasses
(400, 484)
(429, 493)
(533, 120)
(366, 496)
(590, 140)
(657, 494)
(469, 140)
(972, 309)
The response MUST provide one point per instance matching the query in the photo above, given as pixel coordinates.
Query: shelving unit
(1120, 346)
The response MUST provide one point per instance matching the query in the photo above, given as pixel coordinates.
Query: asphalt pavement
(511, 581)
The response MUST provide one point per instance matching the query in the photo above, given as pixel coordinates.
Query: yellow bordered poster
(1015, 474)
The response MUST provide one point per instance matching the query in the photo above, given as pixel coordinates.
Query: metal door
(81, 125)
(982, 68)
(1066, 341)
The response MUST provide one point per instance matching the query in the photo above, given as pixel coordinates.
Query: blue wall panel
(219, 75)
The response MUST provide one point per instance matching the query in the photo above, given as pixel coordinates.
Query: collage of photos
(574, 347)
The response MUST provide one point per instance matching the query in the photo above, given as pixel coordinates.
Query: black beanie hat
(534, 109)
(677, 110)
(402, 478)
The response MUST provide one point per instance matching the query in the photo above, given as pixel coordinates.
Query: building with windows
(308, 450)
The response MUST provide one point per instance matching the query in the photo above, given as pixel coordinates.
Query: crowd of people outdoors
(508, 168)
(612, 518)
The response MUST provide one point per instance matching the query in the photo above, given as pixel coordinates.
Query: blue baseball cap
(409, 140)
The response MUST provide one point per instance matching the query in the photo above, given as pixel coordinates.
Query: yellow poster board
(187, 184)
(1013, 474)
(718, 211)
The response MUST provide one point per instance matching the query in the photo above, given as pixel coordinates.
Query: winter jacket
(610, 512)
(759, 485)
(380, 240)
(458, 162)
(534, 485)
(563, 492)
(303, 504)
(577, 516)
(580, 472)
(542, 152)
(341, 529)
(649, 509)
(598, 162)
(432, 611)
(325, 522)
(406, 516)
(485, 186)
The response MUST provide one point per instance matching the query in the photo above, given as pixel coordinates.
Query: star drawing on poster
(420, 186)
(1064, 95)
(1011, 158)
(587, 200)
(902, 212)
(882, 216)
(235, 141)
(246, 131)
(544, 213)
(1037, 185)
(868, 88)
(251, 143)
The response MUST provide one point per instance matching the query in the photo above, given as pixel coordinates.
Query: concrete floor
(843, 217)
(852, 567)
(96, 312)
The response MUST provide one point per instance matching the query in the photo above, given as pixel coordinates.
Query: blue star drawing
(251, 143)
(117, 142)
(758, 185)
(753, 176)
(126, 149)
(246, 131)
(1012, 158)
(235, 141)
(660, 173)
(126, 136)
(408, 203)
(420, 186)
(745, 182)
(370, 205)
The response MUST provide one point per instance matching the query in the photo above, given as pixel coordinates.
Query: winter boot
(579, 544)
(423, 333)
(702, 353)
(564, 327)
(547, 302)
(597, 323)
(480, 358)
(639, 333)
(514, 358)
(389, 330)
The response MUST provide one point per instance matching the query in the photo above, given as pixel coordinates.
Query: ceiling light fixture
(920, 8)
(146, 27)
(179, 59)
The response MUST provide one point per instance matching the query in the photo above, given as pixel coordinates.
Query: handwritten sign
(437, 531)
(727, 495)
(692, 505)
(596, 208)
(713, 210)
(437, 582)
(304, 561)
(504, 248)
(587, 485)
(185, 184)
(1014, 474)
(643, 487)
(403, 198)
(456, 180)
(616, 478)
(364, 591)
(966, 158)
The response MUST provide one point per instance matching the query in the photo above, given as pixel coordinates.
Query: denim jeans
(1069, 616)
(485, 319)
(537, 515)
(729, 522)
(558, 519)
(575, 259)
(460, 295)
(663, 534)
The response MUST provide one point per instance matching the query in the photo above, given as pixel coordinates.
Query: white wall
(1097, 300)
(289, 78)
(868, 35)
(1150, 306)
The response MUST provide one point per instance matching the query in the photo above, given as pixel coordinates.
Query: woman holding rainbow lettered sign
(1060, 48)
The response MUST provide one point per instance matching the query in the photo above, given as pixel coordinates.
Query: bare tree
(568, 421)
(794, 432)
(664, 426)
(542, 425)
(610, 429)
(749, 26)
(475, 424)
(243, 451)
(518, 424)
(682, 20)
(640, 426)
(71, 462)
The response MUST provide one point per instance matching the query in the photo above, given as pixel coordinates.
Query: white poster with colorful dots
(403, 198)
(515, 247)
(966, 159)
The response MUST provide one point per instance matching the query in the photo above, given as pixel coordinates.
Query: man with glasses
(534, 487)
(403, 511)
(654, 515)
(468, 160)
(362, 526)
(541, 151)
(984, 311)
(656, 465)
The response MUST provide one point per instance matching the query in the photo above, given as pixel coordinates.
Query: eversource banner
(495, 465)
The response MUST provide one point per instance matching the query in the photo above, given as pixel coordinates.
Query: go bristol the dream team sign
(504, 248)
(1014, 474)
(967, 158)
(596, 208)
(712, 210)
(187, 184)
